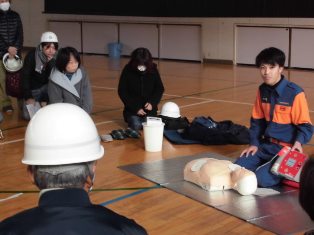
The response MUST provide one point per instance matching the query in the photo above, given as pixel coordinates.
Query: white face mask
(4, 6)
(141, 68)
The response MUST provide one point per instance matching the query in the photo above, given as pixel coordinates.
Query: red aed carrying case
(289, 164)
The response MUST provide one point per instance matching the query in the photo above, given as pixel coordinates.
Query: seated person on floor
(280, 117)
(69, 81)
(170, 115)
(37, 67)
(140, 88)
(213, 175)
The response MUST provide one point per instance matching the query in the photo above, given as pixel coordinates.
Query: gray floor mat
(280, 213)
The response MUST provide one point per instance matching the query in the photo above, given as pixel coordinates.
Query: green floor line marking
(94, 190)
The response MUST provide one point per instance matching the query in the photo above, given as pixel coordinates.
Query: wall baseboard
(215, 61)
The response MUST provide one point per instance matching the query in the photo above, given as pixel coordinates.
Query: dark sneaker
(132, 133)
(7, 109)
(117, 135)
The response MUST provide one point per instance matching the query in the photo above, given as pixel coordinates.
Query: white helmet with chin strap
(170, 109)
(12, 64)
(49, 37)
(60, 134)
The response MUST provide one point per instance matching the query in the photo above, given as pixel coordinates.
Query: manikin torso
(212, 175)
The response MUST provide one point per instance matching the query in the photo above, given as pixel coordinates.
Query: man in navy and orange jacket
(280, 117)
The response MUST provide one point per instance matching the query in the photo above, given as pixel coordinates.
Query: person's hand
(249, 150)
(141, 112)
(30, 101)
(297, 147)
(12, 52)
(148, 106)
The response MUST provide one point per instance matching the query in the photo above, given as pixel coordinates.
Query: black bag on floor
(210, 132)
(174, 123)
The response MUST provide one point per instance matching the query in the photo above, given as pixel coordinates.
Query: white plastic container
(153, 136)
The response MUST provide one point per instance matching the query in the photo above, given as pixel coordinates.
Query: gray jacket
(75, 91)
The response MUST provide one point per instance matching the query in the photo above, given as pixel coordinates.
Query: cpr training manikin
(212, 175)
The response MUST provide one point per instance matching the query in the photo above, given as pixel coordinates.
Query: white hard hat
(60, 134)
(48, 37)
(170, 109)
(12, 64)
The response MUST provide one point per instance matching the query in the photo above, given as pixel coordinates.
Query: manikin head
(213, 175)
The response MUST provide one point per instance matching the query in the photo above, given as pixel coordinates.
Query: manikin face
(72, 65)
(49, 51)
(271, 74)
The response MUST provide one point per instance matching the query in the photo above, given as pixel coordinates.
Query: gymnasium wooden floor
(220, 91)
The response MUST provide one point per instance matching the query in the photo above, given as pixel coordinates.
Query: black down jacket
(11, 31)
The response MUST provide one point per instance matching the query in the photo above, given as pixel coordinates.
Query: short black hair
(63, 57)
(306, 195)
(271, 55)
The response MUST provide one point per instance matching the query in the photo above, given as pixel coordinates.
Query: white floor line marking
(19, 140)
(214, 100)
(233, 102)
(196, 98)
(105, 122)
(193, 97)
(187, 97)
(11, 197)
(173, 95)
(223, 101)
(12, 141)
(198, 103)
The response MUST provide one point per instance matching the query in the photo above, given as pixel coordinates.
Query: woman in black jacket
(140, 88)
(11, 41)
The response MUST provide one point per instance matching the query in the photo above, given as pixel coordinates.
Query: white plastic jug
(153, 136)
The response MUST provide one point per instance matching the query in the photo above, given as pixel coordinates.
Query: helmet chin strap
(90, 179)
(89, 183)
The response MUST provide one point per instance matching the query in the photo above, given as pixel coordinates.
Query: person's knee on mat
(250, 162)
(266, 179)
